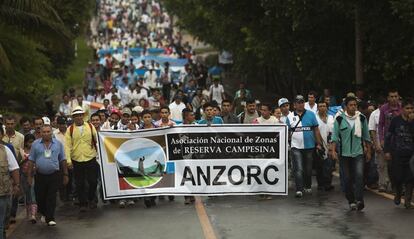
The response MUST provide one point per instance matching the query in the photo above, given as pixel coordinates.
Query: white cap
(46, 120)
(78, 110)
(138, 109)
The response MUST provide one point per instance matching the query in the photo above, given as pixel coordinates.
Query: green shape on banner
(142, 181)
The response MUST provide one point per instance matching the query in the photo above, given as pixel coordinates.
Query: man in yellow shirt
(80, 150)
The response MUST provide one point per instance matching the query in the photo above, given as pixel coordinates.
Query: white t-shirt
(284, 118)
(374, 120)
(314, 109)
(325, 129)
(216, 93)
(271, 120)
(177, 111)
(125, 94)
(11, 160)
(350, 121)
(151, 79)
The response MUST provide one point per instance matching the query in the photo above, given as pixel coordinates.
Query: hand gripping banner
(194, 160)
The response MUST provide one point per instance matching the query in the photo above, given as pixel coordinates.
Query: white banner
(194, 160)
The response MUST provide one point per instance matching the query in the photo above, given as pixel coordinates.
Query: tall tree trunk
(359, 73)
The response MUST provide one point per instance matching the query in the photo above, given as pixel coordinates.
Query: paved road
(322, 215)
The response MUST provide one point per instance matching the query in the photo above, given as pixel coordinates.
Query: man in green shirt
(350, 132)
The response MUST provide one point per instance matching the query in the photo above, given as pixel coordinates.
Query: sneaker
(130, 202)
(43, 219)
(268, 197)
(373, 186)
(51, 223)
(353, 206)
(187, 201)
(153, 203)
(360, 205)
(147, 203)
(407, 204)
(122, 204)
(329, 188)
(397, 199)
(299, 194)
(308, 190)
(33, 219)
(170, 198)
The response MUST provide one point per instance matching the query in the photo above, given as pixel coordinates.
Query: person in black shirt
(399, 146)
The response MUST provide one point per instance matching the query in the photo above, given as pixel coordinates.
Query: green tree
(294, 45)
(36, 46)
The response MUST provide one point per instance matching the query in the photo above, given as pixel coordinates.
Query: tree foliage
(294, 45)
(36, 42)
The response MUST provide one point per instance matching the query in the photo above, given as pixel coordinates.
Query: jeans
(371, 173)
(29, 193)
(382, 167)
(302, 168)
(46, 188)
(4, 202)
(86, 171)
(352, 169)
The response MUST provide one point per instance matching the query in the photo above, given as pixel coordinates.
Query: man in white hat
(80, 149)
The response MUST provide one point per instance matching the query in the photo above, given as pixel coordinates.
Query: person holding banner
(165, 118)
(188, 119)
(304, 136)
(209, 117)
(148, 124)
(265, 118)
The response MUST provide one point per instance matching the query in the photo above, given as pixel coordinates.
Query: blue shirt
(47, 165)
(216, 120)
(303, 136)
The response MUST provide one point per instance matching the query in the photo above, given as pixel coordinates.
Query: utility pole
(359, 71)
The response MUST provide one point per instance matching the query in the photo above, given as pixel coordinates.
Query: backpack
(93, 141)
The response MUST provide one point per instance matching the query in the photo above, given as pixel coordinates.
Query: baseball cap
(350, 94)
(116, 111)
(126, 111)
(282, 101)
(299, 98)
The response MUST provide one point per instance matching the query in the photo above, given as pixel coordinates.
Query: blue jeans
(302, 168)
(4, 203)
(352, 170)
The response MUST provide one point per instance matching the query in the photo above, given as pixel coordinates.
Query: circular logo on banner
(140, 162)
